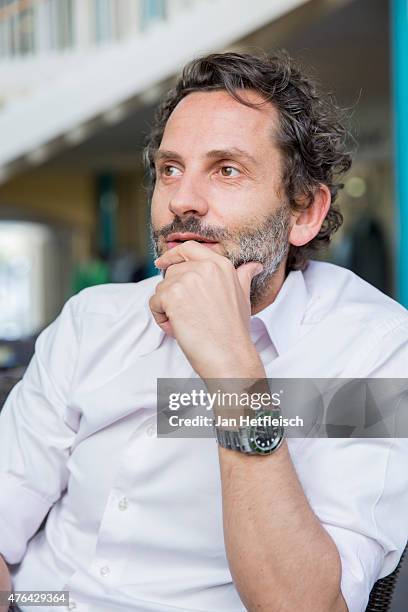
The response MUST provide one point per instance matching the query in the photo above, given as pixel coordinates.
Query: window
(22, 278)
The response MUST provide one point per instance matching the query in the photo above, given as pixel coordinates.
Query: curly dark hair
(311, 135)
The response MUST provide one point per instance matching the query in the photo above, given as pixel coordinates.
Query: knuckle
(176, 289)
(170, 271)
(192, 276)
(154, 301)
(158, 290)
(210, 267)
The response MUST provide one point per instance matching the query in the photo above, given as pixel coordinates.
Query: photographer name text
(240, 421)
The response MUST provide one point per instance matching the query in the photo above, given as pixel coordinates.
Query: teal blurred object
(399, 16)
(150, 269)
(90, 273)
(108, 212)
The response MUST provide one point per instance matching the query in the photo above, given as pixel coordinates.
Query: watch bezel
(252, 434)
(242, 439)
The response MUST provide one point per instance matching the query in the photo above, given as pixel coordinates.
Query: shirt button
(104, 571)
(123, 503)
(151, 431)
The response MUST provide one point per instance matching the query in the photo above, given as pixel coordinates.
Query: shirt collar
(283, 318)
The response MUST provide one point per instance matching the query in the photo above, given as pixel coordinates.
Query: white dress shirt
(136, 520)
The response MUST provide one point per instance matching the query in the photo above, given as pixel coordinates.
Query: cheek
(228, 204)
(239, 210)
(159, 209)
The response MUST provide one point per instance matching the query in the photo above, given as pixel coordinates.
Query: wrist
(245, 365)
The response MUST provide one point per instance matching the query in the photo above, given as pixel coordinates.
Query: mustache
(193, 225)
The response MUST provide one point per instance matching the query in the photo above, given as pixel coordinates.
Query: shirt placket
(118, 521)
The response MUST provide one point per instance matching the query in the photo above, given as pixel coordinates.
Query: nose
(188, 198)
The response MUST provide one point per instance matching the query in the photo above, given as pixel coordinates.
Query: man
(244, 159)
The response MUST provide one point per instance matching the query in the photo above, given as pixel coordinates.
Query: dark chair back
(383, 590)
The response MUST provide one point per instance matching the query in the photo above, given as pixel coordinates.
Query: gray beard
(267, 243)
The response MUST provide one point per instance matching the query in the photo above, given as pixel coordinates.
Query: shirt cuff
(361, 561)
(21, 514)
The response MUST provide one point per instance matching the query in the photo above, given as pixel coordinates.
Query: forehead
(216, 120)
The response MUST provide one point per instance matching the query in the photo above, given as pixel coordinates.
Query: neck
(272, 290)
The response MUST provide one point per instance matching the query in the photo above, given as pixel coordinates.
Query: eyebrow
(164, 154)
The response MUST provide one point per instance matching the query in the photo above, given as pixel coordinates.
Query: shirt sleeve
(358, 487)
(361, 560)
(36, 432)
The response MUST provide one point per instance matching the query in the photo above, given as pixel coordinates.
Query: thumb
(246, 273)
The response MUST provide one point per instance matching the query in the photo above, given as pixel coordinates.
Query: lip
(184, 236)
(174, 240)
(209, 245)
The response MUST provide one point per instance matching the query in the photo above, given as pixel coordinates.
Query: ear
(308, 222)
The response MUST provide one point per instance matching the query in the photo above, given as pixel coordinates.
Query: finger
(246, 273)
(186, 251)
(159, 315)
(181, 269)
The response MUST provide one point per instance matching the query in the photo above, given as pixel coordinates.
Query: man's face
(219, 179)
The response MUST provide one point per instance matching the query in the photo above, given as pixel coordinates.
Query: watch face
(265, 437)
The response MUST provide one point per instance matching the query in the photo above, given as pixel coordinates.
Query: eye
(170, 171)
(229, 171)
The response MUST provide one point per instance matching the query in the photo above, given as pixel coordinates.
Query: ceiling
(346, 47)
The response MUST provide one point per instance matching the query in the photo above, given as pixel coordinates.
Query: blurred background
(79, 82)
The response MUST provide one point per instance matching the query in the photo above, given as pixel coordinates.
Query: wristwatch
(262, 438)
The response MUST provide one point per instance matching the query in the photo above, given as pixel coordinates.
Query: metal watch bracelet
(231, 439)
(245, 440)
